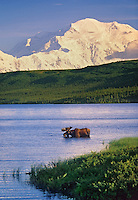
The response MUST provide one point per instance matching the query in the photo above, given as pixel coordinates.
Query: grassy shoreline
(108, 83)
(109, 174)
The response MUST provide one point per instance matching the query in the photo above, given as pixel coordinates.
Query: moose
(77, 133)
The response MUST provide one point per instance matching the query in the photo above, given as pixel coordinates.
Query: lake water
(31, 134)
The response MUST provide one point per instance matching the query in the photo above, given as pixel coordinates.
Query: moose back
(77, 133)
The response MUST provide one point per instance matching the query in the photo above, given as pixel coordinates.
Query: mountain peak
(86, 25)
(86, 42)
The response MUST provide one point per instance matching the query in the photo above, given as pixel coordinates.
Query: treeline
(110, 95)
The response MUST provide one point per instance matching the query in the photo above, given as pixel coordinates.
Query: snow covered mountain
(86, 42)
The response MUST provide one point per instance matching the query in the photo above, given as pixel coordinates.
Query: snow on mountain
(35, 44)
(28, 43)
(86, 42)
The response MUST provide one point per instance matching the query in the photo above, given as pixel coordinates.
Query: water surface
(31, 134)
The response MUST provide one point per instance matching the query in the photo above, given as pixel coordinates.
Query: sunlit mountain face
(86, 42)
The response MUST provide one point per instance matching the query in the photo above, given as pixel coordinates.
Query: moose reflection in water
(77, 133)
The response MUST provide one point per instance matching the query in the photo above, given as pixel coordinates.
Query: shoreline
(93, 174)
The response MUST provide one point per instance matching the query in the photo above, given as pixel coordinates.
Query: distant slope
(88, 42)
(35, 44)
(109, 83)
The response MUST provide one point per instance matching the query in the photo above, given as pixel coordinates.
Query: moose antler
(66, 129)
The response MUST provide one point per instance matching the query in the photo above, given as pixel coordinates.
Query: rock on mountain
(86, 42)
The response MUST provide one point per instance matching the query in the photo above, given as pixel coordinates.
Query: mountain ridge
(86, 42)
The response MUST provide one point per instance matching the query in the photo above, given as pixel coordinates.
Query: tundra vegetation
(110, 174)
(108, 83)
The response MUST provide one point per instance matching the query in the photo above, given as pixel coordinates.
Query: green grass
(110, 174)
(109, 83)
(124, 142)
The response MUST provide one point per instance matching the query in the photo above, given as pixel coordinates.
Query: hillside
(87, 42)
(109, 83)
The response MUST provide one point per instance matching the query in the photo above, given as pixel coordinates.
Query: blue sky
(23, 18)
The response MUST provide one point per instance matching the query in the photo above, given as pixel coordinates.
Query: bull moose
(77, 133)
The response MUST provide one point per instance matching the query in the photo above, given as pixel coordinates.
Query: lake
(31, 135)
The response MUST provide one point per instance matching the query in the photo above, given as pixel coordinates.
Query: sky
(21, 19)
